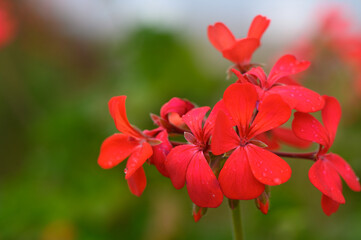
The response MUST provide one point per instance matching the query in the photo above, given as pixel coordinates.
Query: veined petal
(236, 178)
(345, 170)
(160, 153)
(329, 206)
(194, 120)
(241, 52)
(240, 100)
(267, 167)
(220, 36)
(202, 185)
(137, 182)
(331, 115)
(138, 157)
(177, 163)
(115, 149)
(260, 74)
(224, 137)
(258, 27)
(118, 112)
(272, 113)
(325, 178)
(176, 105)
(285, 66)
(300, 98)
(309, 128)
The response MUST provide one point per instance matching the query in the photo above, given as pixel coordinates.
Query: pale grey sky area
(98, 20)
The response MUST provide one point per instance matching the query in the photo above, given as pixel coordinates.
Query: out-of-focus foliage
(54, 117)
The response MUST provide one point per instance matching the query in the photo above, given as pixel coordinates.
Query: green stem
(237, 221)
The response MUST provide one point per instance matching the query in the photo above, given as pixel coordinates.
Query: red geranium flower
(249, 167)
(189, 163)
(130, 142)
(324, 173)
(297, 97)
(238, 51)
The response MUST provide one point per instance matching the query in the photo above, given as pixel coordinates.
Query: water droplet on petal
(277, 181)
(125, 171)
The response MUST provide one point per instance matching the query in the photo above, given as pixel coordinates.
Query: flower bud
(262, 201)
(198, 212)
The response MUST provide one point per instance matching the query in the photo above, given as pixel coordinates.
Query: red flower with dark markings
(297, 97)
(171, 115)
(130, 142)
(189, 163)
(249, 167)
(238, 51)
(324, 173)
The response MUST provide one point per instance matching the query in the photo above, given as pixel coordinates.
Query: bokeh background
(67, 58)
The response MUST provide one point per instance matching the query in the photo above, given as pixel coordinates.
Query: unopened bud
(198, 212)
(262, 201)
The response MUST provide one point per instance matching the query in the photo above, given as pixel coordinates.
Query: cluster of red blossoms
(232, 152)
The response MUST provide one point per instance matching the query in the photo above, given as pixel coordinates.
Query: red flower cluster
(227, 154)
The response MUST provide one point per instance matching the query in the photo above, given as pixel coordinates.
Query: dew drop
(125, 171)
(358, 179)
(263, 174)
(292, 95)
(213, 195)
(277, 181)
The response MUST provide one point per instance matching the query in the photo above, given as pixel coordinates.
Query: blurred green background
(54, 116)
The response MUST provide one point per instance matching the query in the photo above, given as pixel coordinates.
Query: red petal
(258, 73)
(138, 157)
(240, 100)
(258, 27)
(137, 182)
(328, 205)
(288, 81)
(267, 167)
(239, 75)
(331, 115)
(236, 177)
(115, 149)
(210, 122)
(220, 36)
(325, 178)
(285, 66)
(287, 136)
(299, 98)
(308, 128)
(345, 170)
(176, 105)
(269, 139)
(118, 112)
(194, 120)
(177, 163)
(160, 153)
(241, 52)
(272, 112)
(202, 185)
(224, 137)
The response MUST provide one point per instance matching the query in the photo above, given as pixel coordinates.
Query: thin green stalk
(237, 220)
